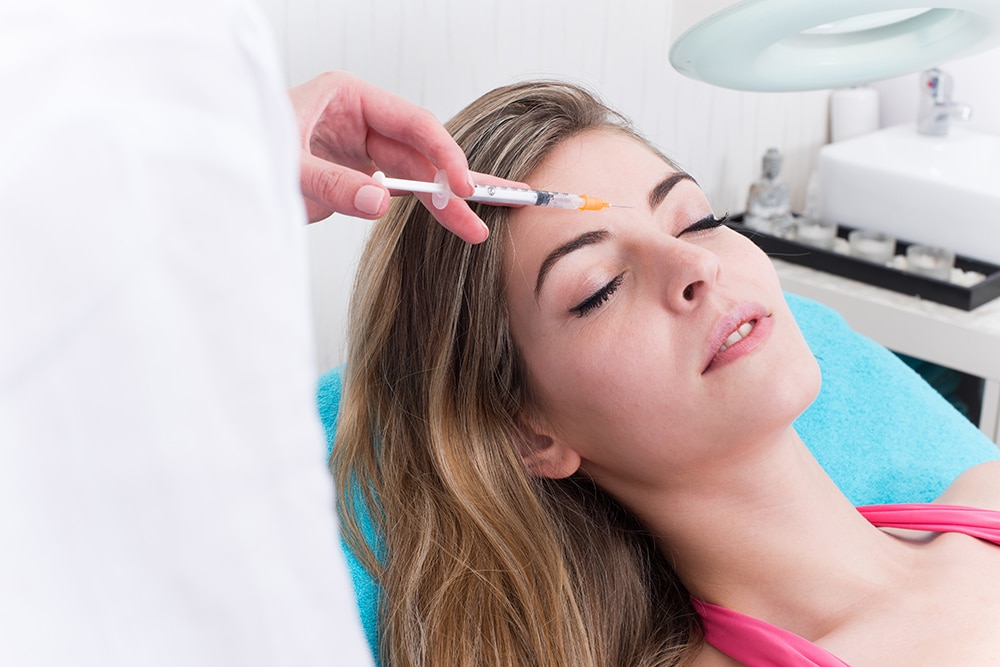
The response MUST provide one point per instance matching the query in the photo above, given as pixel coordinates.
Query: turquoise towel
(880, 431)
(367, 591)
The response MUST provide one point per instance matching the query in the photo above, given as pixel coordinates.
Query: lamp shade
(786, 45)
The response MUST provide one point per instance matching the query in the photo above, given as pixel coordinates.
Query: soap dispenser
(768, 205)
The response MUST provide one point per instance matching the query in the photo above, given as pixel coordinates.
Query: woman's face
(654, 341)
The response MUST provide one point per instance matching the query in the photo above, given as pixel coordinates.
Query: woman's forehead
(600, 163)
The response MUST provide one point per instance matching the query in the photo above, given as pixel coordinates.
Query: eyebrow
(663, 188)
(580, 241)
(656, 197)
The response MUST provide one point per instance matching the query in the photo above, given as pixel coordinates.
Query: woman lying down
(575, 439)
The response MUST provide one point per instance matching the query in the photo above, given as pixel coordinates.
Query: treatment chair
(877, 428)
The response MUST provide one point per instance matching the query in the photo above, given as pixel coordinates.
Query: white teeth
(741, 332)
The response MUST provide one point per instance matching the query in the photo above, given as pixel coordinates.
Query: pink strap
(758, 644)
(984, 524)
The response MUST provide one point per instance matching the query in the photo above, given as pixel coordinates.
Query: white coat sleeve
(164, 498)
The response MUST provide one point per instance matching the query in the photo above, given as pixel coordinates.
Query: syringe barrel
(496, 194)
(559, 200)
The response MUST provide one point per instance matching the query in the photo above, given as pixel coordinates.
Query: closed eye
(705, 224)
(598, 298)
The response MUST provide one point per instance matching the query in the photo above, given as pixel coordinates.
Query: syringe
(497, 195)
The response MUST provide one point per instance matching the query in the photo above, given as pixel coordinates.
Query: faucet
(935, 108)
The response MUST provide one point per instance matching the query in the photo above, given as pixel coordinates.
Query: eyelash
(598, 298)
(707, 223)
(601, 296)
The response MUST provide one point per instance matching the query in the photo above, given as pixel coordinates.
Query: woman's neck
(767, 533)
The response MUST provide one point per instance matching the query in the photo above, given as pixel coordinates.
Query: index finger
(457, 218)
(397, 119)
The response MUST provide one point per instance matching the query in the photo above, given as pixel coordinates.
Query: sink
(942, 191)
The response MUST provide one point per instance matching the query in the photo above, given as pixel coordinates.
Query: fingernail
(484, 231)
(369, 199)
(472, 182)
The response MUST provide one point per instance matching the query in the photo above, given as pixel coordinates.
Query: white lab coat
(164, 498)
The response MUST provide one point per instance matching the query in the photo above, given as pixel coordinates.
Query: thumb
(331, 188)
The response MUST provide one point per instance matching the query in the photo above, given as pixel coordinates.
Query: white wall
(444, 53)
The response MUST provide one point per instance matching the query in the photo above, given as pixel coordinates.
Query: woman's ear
(543, 455)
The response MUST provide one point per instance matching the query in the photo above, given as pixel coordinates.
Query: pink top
(758, 644)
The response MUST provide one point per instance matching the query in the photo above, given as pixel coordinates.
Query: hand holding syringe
(496, 195)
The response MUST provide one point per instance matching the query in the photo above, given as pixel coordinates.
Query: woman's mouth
(741, 332)
(737, 334)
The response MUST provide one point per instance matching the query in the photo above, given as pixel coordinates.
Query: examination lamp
(787, 45)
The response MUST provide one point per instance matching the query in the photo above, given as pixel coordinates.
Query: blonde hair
(479, 562)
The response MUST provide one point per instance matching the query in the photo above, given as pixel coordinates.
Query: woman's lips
(737, 334)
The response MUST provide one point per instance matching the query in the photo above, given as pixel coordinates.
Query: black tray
(932, 289)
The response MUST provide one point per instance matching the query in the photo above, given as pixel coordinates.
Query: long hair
(479, 562)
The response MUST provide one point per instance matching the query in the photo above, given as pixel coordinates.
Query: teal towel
(365, 588)
(877, 428)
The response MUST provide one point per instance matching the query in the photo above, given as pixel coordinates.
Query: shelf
(931, 289)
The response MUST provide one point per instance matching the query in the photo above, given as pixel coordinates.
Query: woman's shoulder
(979, 486)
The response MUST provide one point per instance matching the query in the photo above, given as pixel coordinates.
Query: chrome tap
(935, 108)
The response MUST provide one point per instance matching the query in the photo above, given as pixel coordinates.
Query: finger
(315, 211)
(398, 159)
(394, 118)
(360, 111)
(458, 218)
(331, 119)
(401, 161)
(329, 187)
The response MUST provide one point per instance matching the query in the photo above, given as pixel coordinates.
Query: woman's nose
(691, 271)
